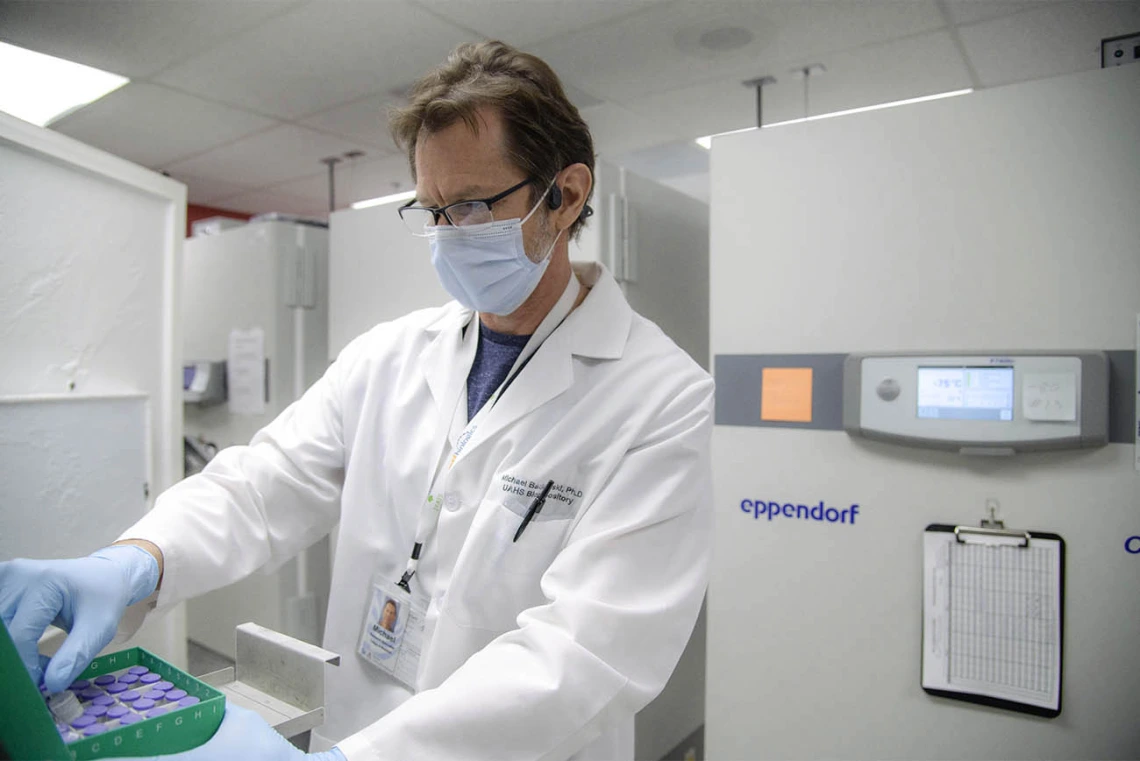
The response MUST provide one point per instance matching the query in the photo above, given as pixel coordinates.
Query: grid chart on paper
(1003, 616)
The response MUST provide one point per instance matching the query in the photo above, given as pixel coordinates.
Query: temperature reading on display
(965, 393)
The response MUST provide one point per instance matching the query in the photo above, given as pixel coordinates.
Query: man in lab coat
(525, 471)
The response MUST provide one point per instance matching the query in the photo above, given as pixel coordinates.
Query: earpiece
(554, 199)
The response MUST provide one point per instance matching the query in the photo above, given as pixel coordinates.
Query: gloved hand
(245, 736)
(86, 596)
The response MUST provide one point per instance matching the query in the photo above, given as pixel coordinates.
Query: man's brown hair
(544, 131)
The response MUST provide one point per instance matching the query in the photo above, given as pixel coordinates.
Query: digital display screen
(965, 393)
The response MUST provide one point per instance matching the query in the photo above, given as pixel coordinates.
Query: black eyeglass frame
(437, 212)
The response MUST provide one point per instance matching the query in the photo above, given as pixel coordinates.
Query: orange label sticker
(785, 394)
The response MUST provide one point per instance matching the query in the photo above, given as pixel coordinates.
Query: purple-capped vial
(164, 686)
(128, 719)
(90, 693)
(117, 712)
(189, 700)
(142, 704)
(175, 695)
(116, 688)
(94, 729)
(129, 696)
(79, 684)
(138, 670)
(154, 713)
(150, 678)
(103, 700)
(104, 680)
(129, 678)
(155, 695)
(97, 711)
(83, 721)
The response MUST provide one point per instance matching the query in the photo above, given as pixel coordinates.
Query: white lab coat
(540, 649)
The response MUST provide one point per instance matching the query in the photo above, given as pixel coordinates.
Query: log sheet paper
(992, 620)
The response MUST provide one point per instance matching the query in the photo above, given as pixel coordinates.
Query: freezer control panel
(979, 403)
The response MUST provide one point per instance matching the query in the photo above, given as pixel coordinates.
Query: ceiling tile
(364, 121)
(525, 22)
(680, 159)
(153, 125)
(355, 181)
(665, 49)
(973, 11)
(266, 201)
(617, 130)
(912, 67)
(1057, 38)
(208, 191)
(906, 68)
(326, 53)
(127, 37)
(280, 154)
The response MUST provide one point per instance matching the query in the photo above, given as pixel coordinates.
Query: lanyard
(430, 510)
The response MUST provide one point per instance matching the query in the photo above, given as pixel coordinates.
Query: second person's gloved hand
(86, 596)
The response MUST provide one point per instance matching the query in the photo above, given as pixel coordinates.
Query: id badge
(393, 632)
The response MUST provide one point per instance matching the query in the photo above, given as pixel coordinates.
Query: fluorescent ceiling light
(41, 88)
(706, 142)
(405, 196)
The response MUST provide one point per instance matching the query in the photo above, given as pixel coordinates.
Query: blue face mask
(485, 267)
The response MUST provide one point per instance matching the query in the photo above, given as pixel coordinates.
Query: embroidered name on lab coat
(519, 492)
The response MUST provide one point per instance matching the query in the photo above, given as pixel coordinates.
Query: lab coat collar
(598, 328)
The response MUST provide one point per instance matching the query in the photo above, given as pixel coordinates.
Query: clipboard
(993, 616)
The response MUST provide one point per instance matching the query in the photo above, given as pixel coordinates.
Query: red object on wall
(194, 212)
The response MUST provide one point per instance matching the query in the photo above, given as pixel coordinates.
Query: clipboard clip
(991, 527)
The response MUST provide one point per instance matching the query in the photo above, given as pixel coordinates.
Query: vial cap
(94, 729)
(164, 686)
(96, 711)
(138, 670)
(129, 719)
(176, 695)
(90, 693)
(143, 704)
(104, 680)
(129, 678)
(149, 678)
(83, 721)
(188, 701)
(154, 694)
(103, 700)
(116, 712)
(129, 696)
(116, 688)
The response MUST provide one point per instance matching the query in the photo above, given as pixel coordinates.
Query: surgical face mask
(485, 267)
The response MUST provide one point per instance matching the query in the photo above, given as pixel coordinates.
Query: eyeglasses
(459, 214)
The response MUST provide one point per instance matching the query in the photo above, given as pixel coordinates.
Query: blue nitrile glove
(86, 596)
(244, 735)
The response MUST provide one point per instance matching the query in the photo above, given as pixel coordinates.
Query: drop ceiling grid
(164, 126)
(283, 153)
(655, 52)
(320, 56)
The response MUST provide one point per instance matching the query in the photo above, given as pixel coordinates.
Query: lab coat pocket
(502, 579)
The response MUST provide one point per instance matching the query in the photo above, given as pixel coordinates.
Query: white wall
(1004, 219)
(88, 251)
